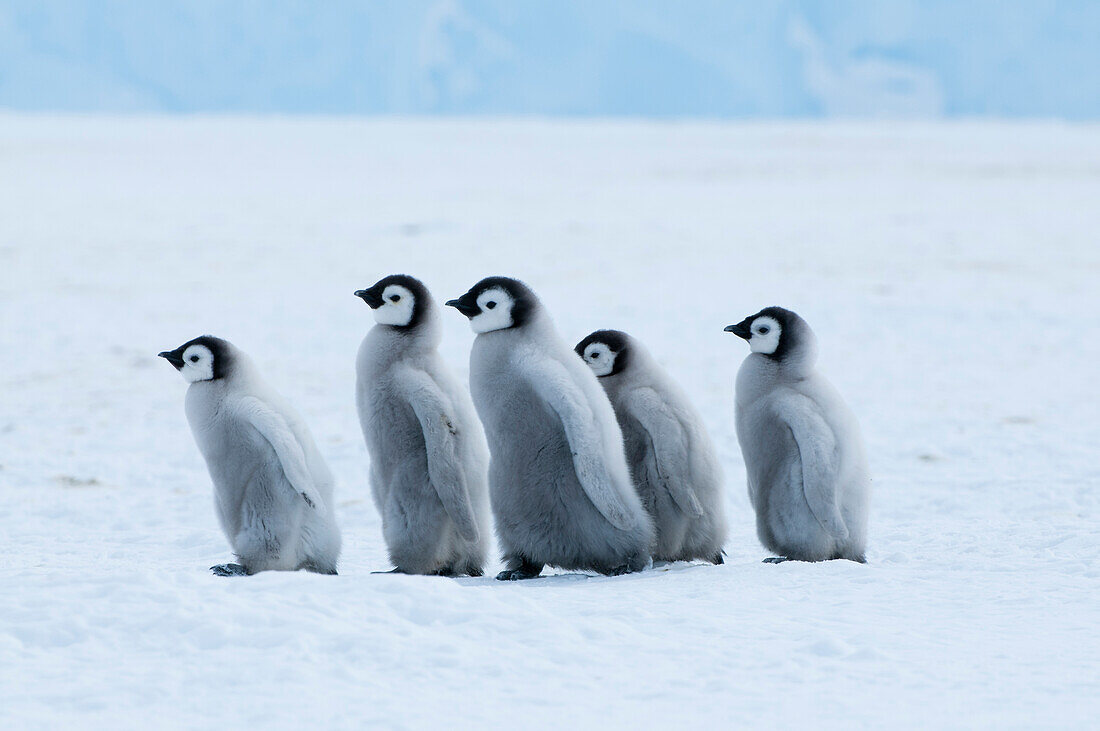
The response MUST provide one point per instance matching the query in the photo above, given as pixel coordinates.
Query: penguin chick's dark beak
(173, 357)
(463, 305)
(372, 298)
(741, 329)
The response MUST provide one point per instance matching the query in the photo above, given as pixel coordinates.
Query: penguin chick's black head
(773, 332)
(398, 300)
(496, 303)
(206, 358)
(606, 352)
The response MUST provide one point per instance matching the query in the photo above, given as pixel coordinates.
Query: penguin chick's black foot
(397, 570)
(525, 570)
(619, 570)
(229, 569)
(515, 575)
(775, 559)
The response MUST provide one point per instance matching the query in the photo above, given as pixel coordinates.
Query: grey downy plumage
(671, 456)
(807, 472)
(560, 489)
(272, 489)
(428, 456)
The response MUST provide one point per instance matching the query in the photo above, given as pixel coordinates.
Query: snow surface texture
(802, 58)
(949, 271)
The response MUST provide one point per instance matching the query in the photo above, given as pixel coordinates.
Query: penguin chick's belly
(793, 530)
(671, 523)
(395, 441)
(541, 510)
(265, 515)
(240, 465)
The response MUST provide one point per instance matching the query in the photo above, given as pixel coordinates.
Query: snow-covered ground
(949, 270)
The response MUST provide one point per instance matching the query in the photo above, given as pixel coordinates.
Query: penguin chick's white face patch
(198, 364)
(600, 358)
(396, 308)
(765, 335)
(496, 311)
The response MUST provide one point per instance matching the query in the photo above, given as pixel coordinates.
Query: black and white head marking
(768, 332)
(206, 358)
(606, 352)
(496, 303)
(398, 300)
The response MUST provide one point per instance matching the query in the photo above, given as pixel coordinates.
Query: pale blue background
(768, 58)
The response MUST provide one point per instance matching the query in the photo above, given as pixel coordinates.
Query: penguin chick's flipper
(273, 428)
(564, 396)
(666, 434)
(525, 570)
(717, 559)
(817, 450)
(444, 463)
(229, 569)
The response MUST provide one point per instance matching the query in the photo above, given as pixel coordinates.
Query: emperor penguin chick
(672, 459)
(428, 456)
(272, 489)
(561, 492)
(807, 472)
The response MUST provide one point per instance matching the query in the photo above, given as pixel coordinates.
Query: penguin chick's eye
(194, 359)
(395, 298)
(762, 330)
(490, 305)
(595, 355)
